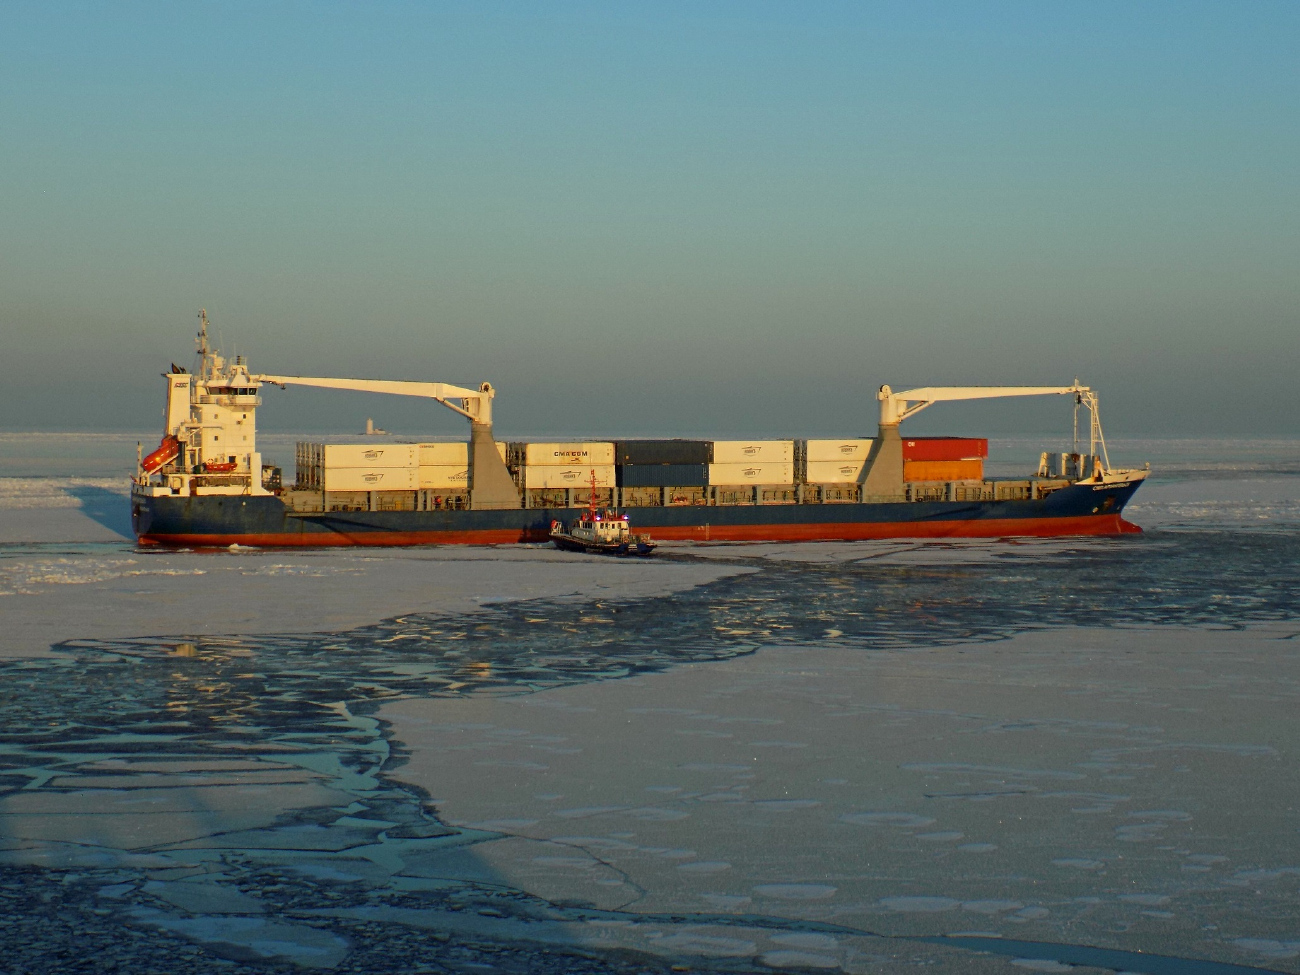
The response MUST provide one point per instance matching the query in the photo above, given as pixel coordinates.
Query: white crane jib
(490, 483)
(884, 476)
(476, 404)
(896, 407)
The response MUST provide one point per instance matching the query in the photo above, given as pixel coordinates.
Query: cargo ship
(206, 483)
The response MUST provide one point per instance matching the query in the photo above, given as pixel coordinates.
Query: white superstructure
(209, 441)
(209, 430)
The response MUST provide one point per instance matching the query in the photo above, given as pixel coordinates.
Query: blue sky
(660, 218)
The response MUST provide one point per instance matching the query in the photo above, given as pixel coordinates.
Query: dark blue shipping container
(663, 475)
(636, 452)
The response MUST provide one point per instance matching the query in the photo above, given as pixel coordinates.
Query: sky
(656, 218)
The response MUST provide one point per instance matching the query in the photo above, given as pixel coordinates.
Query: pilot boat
(600, 531)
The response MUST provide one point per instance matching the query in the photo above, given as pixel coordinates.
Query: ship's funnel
(177, 410)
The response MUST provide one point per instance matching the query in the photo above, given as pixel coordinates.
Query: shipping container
(442, 476)
(449, 454)
(386, 455)
(592, 453)
(753, 452)
(945, 448)
(664, 475)
(573, 476)
(769, 473)
(444, 454)
(370, 478)
(308, 464)
(943, 470)
(637, 452)
(834, 471)
(825, 451)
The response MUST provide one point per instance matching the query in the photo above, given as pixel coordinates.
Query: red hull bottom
(845, 532)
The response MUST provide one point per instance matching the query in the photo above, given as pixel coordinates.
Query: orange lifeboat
(219, 467)
(165, 454)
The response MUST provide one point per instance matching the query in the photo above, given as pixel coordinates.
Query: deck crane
(490, 483)
(884, 476)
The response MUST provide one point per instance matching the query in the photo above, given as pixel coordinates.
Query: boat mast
(201, 340)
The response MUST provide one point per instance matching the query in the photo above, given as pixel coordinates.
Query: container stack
(387, 476)
(662, 472)
(550, 468)
(944, 459)
(363, 467)
(662, 463)
(443, 466)
(836, 461)
(310, 466)
(739, 462)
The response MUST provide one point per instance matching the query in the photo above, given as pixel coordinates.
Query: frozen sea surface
(995, 756)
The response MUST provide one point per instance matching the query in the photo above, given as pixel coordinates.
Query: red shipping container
(945, 448)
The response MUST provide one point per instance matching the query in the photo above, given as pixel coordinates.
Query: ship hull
(223, 520)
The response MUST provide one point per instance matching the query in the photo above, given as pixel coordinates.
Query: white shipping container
(573, 476)
(387, 455)
(771, 473)
(568, 454)
(754, 452)
(444, 476)
(443, 454)
(835, 471)
(370, 478)
(841, 450)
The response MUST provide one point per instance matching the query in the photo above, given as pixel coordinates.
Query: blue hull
(1080, 509)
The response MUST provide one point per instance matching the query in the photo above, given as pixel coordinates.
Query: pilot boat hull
(568, 543)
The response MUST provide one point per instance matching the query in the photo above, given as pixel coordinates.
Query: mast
(206, 366)
(201, 340)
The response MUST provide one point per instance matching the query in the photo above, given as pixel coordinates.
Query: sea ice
(48, 599)
(885, 843)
